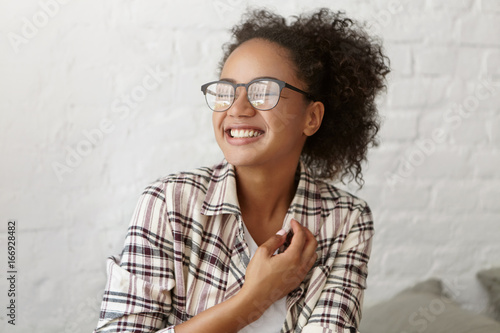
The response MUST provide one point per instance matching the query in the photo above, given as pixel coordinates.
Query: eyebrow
(256, 78)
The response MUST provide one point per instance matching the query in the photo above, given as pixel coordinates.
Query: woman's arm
(137, 296)
(339, 303)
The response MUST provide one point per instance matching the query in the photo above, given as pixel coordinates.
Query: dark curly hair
(343, 67)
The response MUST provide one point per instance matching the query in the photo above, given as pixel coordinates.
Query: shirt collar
(221, 197)
(309, 206)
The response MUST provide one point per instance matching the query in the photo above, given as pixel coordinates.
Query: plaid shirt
(185, 252)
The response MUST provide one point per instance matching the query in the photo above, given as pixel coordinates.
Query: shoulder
(334, 198)
(348, 217)
(188, 190)
(198, 179)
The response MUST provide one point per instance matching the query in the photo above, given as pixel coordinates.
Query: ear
(315, 112)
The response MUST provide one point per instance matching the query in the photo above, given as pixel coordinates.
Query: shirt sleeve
(137, 297)
(339, 305)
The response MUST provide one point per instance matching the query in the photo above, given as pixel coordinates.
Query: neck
(265, 193)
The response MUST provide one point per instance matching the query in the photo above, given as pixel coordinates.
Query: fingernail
(281, 232)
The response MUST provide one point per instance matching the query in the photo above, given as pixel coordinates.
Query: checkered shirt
(185, 252)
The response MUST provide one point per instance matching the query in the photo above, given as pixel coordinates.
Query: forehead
(259, 58)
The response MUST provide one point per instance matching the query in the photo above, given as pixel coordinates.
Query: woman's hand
(270, 277)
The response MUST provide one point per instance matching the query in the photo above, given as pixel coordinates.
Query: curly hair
(343, 67)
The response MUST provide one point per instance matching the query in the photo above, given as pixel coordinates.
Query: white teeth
(244, 133)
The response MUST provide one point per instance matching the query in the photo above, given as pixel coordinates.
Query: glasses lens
(264, 95)
(219, 96)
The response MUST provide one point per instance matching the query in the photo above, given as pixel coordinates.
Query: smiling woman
(278, 148)
(259, 243)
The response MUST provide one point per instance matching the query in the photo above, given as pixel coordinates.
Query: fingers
(302, 250)
(273, 243)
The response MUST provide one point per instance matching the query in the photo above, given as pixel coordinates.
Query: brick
(402, 197)
(399, 126)
(395, 6)
(379, 162)
(456, 196)
(432, 27)
(442, 163)
(451, 5)
(470, 99)
(188, 50)
(401, 59)
(493, 129)
(435, 60)
(490, 202)
(493, 67)
(416, 230)
(472, 131)
(397, 31)
(482, 95)
(407, 262)
(370, 193)
(412, 6)
(20, 83)
(451, 253)
(469, 61)
(489, 6)
(476, 231)
(381, 289)
(383, 15)
(163, 13)
(92, 82)
(480, 31)
(417, 92)
(433, 125)
(458, 89)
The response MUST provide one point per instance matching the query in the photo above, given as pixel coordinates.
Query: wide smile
(244, 133)
(242, 136)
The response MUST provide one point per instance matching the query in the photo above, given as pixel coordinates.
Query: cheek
(282, 120)
(217, 118)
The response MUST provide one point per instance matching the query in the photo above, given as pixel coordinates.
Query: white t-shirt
(272, 320)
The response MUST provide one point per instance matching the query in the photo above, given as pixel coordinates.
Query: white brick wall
(85, 67)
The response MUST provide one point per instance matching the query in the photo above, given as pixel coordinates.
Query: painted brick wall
(99, 98)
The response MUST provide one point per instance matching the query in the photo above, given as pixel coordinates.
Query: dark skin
(265, 174)
(264, 223)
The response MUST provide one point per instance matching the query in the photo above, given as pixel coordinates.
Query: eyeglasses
(264, 94)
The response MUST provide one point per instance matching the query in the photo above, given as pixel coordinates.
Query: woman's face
(282, 130)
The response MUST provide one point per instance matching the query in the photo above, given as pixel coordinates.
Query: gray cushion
(491, 281)
(424, 308)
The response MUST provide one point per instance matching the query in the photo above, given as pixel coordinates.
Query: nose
(241, 106)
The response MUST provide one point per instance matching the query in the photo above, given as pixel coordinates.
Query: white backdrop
(99, 98)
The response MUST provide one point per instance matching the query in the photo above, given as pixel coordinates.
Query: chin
(240, 161)
(239, 156)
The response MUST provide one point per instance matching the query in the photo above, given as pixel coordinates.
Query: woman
(259, 243)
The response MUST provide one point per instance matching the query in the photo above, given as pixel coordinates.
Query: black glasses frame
(281, 84)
